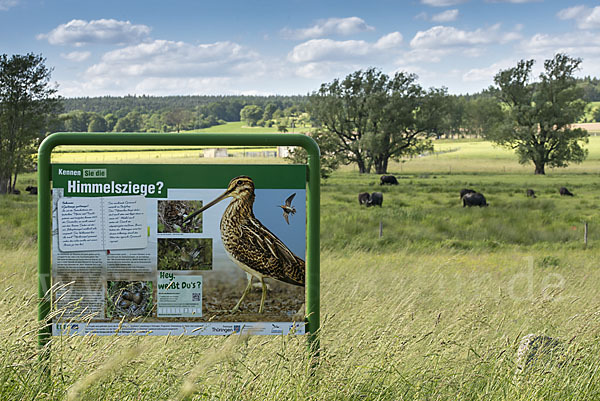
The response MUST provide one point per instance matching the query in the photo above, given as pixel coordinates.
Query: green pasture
(479, 156)
(235, 127)
(434, 309)
(241, 127)
(154, 154)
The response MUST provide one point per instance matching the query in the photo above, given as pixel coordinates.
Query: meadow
(434, 309)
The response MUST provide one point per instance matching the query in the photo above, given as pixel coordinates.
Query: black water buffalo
(388, 179)
(465, 191)
(376, 198)
(363, 198)
(531, 193)
(474, 199)
(31, 190)
(564, 192)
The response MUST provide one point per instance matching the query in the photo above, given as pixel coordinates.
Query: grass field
(432, 310)
(241, 127)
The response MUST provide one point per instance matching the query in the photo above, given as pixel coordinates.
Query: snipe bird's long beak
(203, 208)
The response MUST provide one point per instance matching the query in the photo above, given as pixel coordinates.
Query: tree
(97, 124)
(130, 123)
(375, 118)
(330, 158)
(538, 115)
(251, 114)
(111, 121)
(482, 114)
(76, 121)
(270, 108)
(27, 104)
(178, 118)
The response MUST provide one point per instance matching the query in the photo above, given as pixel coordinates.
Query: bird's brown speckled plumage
(250, 244)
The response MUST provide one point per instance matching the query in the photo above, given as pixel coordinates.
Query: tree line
(367, 118)
(173, 113)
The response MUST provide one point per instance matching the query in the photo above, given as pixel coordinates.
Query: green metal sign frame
(188, 139)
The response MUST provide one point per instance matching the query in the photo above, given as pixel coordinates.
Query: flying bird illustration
(251, 245)
(288, 208)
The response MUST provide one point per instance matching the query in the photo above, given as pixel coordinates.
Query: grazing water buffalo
(465, 191)
(564, 192)
(375, 199)
(531, 193)
(363, 198)
(474, 199)
(388, 179)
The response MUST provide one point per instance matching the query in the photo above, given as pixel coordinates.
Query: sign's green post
(191, 139)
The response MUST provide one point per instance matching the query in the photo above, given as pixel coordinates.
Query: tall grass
(395, 326)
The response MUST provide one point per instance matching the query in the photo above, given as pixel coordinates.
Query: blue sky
(227, 47)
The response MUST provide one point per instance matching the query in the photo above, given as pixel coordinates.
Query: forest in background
(182, 113)
(174, 113)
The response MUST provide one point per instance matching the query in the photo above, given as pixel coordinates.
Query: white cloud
(486, 74)
(572, 12)
(174, 85)
(104, 31)
(576, 44)
(325, 58)
(102, 86)
(445, 16)
(389, 41)
(167, 67)
(327, 49)
(442, 3)
(317, 50)
(331, 26)
(162, 58)
(513, 1)
(585, 18)
(76, 56)
(6, 4)
(426, 56)
(326, 70)
(440, 36)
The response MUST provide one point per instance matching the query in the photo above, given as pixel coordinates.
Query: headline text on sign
(129, 188)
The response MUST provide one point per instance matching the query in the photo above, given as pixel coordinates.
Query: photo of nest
(129, 299)
(172, 213)
(185, 254)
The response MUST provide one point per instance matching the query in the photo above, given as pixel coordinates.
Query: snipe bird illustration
(288, 208)
(251, 245)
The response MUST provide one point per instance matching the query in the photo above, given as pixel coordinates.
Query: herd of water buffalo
(468, 196)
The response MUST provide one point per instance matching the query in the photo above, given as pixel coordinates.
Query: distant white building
(215, 152)
(283, 151)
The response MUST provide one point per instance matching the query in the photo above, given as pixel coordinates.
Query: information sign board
(135, 250)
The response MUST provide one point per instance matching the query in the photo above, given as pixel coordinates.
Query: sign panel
(179, 249)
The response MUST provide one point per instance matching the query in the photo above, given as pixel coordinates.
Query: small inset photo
(175, 216)
(129, 299)
(185, 254)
